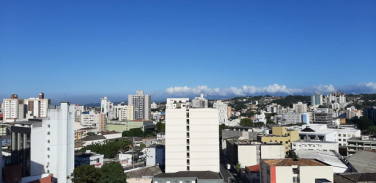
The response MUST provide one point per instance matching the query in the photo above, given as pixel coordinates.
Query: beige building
(294, 170)
(247, 152)
(283, 136)
(192, 140)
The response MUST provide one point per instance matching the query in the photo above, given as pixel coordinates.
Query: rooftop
(255, 168)
(148, 172)
(85, 155)
(197, 174)
(354, 177)
(363, 161)
(290, 162)
(94, 137)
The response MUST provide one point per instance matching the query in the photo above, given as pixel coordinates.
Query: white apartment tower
(299, 107)
(192, 140)
(20, 109)
(47, 144)
(222, 111)
(141, 105)
(200, 102)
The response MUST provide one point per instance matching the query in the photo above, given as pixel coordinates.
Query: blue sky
(87, 49)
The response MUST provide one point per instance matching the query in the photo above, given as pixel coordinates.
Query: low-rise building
(88, 158)
(189, 176)
(363, 162)
(143, 175)
(249, 153)
(155, 155)
(315, 145)
(252, 173)
(360, 143)
(329, 157)
(281, 135)
(294, 170)
(126, 125)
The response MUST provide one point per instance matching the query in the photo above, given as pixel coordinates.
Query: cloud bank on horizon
(274, 89)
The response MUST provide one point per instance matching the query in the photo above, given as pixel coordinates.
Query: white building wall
(57, 133)
(273, 151)
(284, 174)
(308, 174)
(151, 156)
(247, 155)
(222, 111)
(203, 140)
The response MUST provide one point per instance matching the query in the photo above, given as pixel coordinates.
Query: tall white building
(316, 100)
(141, 105)
(192, 140)
(200, 102)
(107, 108)
(47, 144)
(299, 107)
(222, 111)
(20, 109)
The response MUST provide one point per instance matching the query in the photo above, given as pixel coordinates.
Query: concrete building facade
(192, 140)
(20, 109)
(294, 170)
(46, 146)
(141, 105)
(222, 111)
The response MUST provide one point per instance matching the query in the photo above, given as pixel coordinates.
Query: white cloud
(271, 89)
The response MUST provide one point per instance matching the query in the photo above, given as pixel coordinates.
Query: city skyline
(82, 51)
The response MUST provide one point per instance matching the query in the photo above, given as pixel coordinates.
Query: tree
(160, 127)
(363, 123)
(291, 154)
(135, 132)
(109, 149)
(222, 127)
(85, 174)
(246, 122)
(268, 121)
(143, 145)
(91, 134)
(237, 167)
(148, 133)
(372, 130)
(112, 173)
(258, 124)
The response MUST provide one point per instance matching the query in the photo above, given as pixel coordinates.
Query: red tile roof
(255, 168)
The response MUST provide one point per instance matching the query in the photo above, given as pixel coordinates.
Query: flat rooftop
(196, 174)
(290, 162)
(315, 141)
(144, 172)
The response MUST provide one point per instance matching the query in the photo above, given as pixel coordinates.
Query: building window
(339, 135)
(48, 133)
(187, 168)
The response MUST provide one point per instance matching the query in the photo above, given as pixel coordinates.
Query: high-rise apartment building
(141, 105)
(200, 102)
(107, 108)
(192, 140)
(316, 100)
(19, 109)
(299, 107)
(46, 145)
(222, 111)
